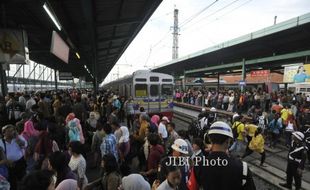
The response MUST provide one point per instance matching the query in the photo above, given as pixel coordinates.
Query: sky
(202, 24)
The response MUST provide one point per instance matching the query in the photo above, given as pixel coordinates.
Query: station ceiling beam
(250, 62)
(117, 22)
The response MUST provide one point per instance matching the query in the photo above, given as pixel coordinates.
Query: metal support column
(14, 81)
(4, 88)
(56, 85)
(183, 82)
(218, 82)
(243, 74)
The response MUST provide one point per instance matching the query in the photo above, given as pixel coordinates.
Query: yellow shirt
(284, 114)
(257, 143)
(141, 135)
(251, 128)
(240, 130)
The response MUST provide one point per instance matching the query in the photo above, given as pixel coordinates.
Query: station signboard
(65, 76)
(242, 83)
(260, 73)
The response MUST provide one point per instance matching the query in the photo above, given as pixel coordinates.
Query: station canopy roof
(98, 30)
(269, 48)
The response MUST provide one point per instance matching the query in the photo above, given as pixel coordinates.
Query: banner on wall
(297, 74)
(260, 73)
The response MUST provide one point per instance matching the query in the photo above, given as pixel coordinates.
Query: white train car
(303, 88)
(150, 90)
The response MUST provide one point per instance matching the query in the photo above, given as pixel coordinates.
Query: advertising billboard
(297, 74)
(13, 46)
(59, 47)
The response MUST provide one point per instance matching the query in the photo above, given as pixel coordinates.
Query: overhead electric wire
(215, 12)
(196, 14)
(221, 16)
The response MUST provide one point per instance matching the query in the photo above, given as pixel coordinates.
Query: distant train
(150, 90)
(37, 87)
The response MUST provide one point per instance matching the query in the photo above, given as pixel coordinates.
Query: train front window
(154, 79)
(154, 90)
(167, 90)
(140, 90)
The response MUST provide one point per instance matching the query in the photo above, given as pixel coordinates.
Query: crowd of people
(258, 119)
(51, 140)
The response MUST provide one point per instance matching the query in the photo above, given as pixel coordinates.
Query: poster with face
(297, 74)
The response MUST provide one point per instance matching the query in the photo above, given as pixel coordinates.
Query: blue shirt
(109, 145)
(301, 77)
(13, 151)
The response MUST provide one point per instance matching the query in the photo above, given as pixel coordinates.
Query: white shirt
(162, 130)
(13, 151)
(78, 165)
(30, 103)
(164, 186)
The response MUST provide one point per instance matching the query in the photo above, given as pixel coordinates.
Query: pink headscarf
(29, 130)
(155, 119)
(67, 184)
(70, 117)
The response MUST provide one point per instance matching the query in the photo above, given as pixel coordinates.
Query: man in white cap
(296, 161)
(179, 158)
(219, 170)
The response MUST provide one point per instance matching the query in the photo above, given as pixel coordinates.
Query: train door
(154, 98)
(141, 94)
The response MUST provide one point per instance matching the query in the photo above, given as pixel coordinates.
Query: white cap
(213, 109)
(165, 119)
(180, 145)
(299, 135)
(114, 97)
(221, 128)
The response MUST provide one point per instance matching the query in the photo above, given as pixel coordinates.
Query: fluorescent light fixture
(52, 17)
(237, 70)
(294, 64)
(77, 55)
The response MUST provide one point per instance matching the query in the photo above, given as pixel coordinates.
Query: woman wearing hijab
(134, 182)
(29, 130)
(124, 145)
(155, 119)
(71, 118)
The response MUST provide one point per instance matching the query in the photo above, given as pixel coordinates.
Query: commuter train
(37, 87)
(150, 90)
(303, 88)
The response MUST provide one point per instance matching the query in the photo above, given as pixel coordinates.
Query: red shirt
(154, 157)
(277, 108)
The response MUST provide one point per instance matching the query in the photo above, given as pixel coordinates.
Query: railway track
(276, 158)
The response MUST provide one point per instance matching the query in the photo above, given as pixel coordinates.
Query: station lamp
(77, 55)
(52, 16)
